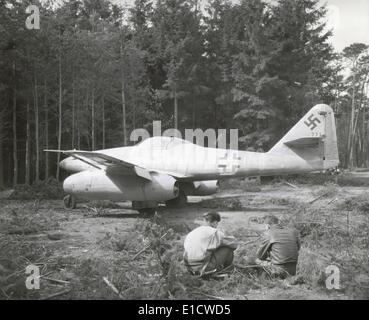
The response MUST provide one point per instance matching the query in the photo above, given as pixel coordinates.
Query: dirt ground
(76, 249)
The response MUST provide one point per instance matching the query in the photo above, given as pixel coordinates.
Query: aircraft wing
(111, 164)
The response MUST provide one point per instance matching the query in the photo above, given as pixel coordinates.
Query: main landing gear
(178, 202)
(147, 211)
(145, 208)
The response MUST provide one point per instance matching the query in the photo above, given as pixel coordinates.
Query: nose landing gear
(70, 202)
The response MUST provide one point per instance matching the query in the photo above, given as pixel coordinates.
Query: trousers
(220, 258)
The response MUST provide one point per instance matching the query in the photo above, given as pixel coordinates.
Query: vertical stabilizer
(313, 138)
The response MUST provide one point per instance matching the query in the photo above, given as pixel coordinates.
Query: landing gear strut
(70, 202)
(178, 202)
(145, 207)
(147, 211)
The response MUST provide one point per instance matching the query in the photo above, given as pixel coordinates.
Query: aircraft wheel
(70, 202)
(178, 202)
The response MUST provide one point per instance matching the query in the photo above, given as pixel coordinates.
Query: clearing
(76, 249)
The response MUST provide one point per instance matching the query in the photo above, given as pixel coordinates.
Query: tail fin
(313, 138)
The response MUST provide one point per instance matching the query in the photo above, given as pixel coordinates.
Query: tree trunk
(93, 121)
(366, 131)
(9, 166)
(362, 107)
(134, 116)
(2, 120)
(73, 113)
(356, 131)
(352, 123)
(123, 96)
(78, 124)
(335, 101)
(37, 134)
(87, 109)
(1, 165)
(175, 109)
(193, 112)
(15, 149)
(59, 115)
(46, 131)
(3, 125)
(124, 115)
(28, 142)
(103, 122)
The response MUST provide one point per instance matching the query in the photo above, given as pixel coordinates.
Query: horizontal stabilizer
(303, 142)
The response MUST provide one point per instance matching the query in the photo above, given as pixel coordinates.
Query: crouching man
(279, 249)
(207, 249)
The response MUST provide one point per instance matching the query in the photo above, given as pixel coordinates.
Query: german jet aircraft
(168, 169)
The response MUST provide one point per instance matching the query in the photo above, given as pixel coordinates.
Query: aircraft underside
(145, 195)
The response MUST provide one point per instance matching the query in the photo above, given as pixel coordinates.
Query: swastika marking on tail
(311, 122)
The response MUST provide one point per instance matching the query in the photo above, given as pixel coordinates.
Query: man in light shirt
(208, 249)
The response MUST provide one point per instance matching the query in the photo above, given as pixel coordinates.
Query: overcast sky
(350, 21)
(348, 18)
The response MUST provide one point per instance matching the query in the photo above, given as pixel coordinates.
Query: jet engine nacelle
(97, 185)
(205, 188)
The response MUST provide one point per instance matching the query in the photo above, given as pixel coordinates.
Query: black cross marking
(234, 163)
(312, 123)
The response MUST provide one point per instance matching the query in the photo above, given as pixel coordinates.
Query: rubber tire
(69, 202)
(178, 202)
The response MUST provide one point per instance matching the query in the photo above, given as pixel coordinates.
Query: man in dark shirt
(279, 248)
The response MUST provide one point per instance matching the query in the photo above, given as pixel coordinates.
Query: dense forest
(95, 71)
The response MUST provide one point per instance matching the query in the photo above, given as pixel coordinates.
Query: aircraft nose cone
(68, 184)
(63, 164)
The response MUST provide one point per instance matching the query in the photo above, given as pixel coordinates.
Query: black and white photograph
(205, 151)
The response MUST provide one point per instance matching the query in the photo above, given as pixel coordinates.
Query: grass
(49, 189)
(342, 179)
(225, 203)
(336, 236)
(17, 250)
(15, 255)
(25, 220)
(104, 204)
(328, 190)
